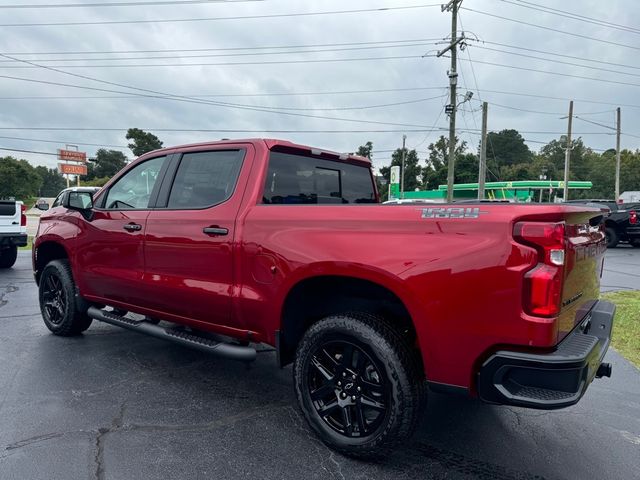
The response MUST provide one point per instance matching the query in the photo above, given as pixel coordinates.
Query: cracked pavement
(113, 404)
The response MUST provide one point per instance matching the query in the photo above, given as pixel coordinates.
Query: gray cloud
(419, 23)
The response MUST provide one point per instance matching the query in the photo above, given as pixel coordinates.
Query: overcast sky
(402, 62)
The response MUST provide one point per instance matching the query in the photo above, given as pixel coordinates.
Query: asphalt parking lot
(112, 404)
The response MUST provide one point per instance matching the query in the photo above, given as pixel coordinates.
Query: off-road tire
(68, 314)
(8, 256)
(403, 380)
(612, 237)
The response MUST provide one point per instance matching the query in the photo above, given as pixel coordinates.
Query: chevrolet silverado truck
(13, 231)
(221, 246)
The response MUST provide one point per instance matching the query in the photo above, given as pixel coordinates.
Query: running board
(176, 335)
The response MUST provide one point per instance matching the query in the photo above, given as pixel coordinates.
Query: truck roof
(274, 144)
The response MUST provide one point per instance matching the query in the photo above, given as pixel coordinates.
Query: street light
(542, 176)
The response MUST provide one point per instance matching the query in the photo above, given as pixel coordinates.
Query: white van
(629, 197)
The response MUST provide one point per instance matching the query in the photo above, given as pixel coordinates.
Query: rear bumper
(555, 379)
(13, 239)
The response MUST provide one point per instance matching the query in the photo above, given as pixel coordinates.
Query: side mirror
(80, 201)
(42, 206)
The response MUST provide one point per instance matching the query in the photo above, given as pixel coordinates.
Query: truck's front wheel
(358, 384)
(60, 309)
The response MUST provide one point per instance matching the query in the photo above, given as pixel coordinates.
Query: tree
(602, 168)
(18, 179)
(106, 164)
(554, 153)
(412, 173)
(507, 147)
(52, 181)
(435, 172)
(142, 142)
(467, 166)
(365, 150)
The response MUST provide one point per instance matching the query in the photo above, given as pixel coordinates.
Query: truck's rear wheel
(358, 384)
(611, 237)
(60, 309)
(8, 256)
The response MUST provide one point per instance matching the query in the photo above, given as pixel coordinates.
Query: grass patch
(626, 326)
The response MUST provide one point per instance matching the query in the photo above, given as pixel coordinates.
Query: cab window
(133, 190)
(205, 179)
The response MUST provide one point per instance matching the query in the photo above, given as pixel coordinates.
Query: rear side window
(205, 179)
(295, 179)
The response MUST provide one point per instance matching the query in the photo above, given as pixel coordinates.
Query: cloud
(420, 23)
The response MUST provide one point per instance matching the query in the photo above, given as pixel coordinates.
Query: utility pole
(482, 170)
(404, 155)
(567, 155)
(452, 7)
(617, 154)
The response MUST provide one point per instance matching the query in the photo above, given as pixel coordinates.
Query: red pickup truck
(220, 246)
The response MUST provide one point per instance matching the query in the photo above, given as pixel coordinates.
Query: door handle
(215, 231)
(132, 227)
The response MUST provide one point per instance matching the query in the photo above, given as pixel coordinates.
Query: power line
(157, 3)
(63, 142)
(578, 35)
(428, 134)
(545, 143)
(211, 19)
(26, 151)
(216, 130)
(556, 54)
(256, 131)
(558, 73)
(594, 123)
(228, 95)
(224, 49)
(549, 97)
(316, 93)
(524, 55)
(571, 15)
(365, 107)
(162, 95)
(268, 62)
(475, 80)
(494, 104)
(243, 54)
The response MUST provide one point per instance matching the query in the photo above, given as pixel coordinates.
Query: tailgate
(584, 257)
(9, 216)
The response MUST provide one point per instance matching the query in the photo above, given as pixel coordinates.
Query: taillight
(543, 283)
(633, 217)
(23, 215)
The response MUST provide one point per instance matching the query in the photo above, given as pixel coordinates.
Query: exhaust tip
(604, 370)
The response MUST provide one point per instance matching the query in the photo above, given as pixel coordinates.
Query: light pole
(542, 176)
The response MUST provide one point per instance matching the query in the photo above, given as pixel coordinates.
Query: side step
(181, 337)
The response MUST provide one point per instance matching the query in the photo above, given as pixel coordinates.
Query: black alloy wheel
(348, 389)
(54, 300)
(359, 383)
(64, 312)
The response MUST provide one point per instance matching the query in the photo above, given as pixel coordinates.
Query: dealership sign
(72, 156)
(68, 169)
